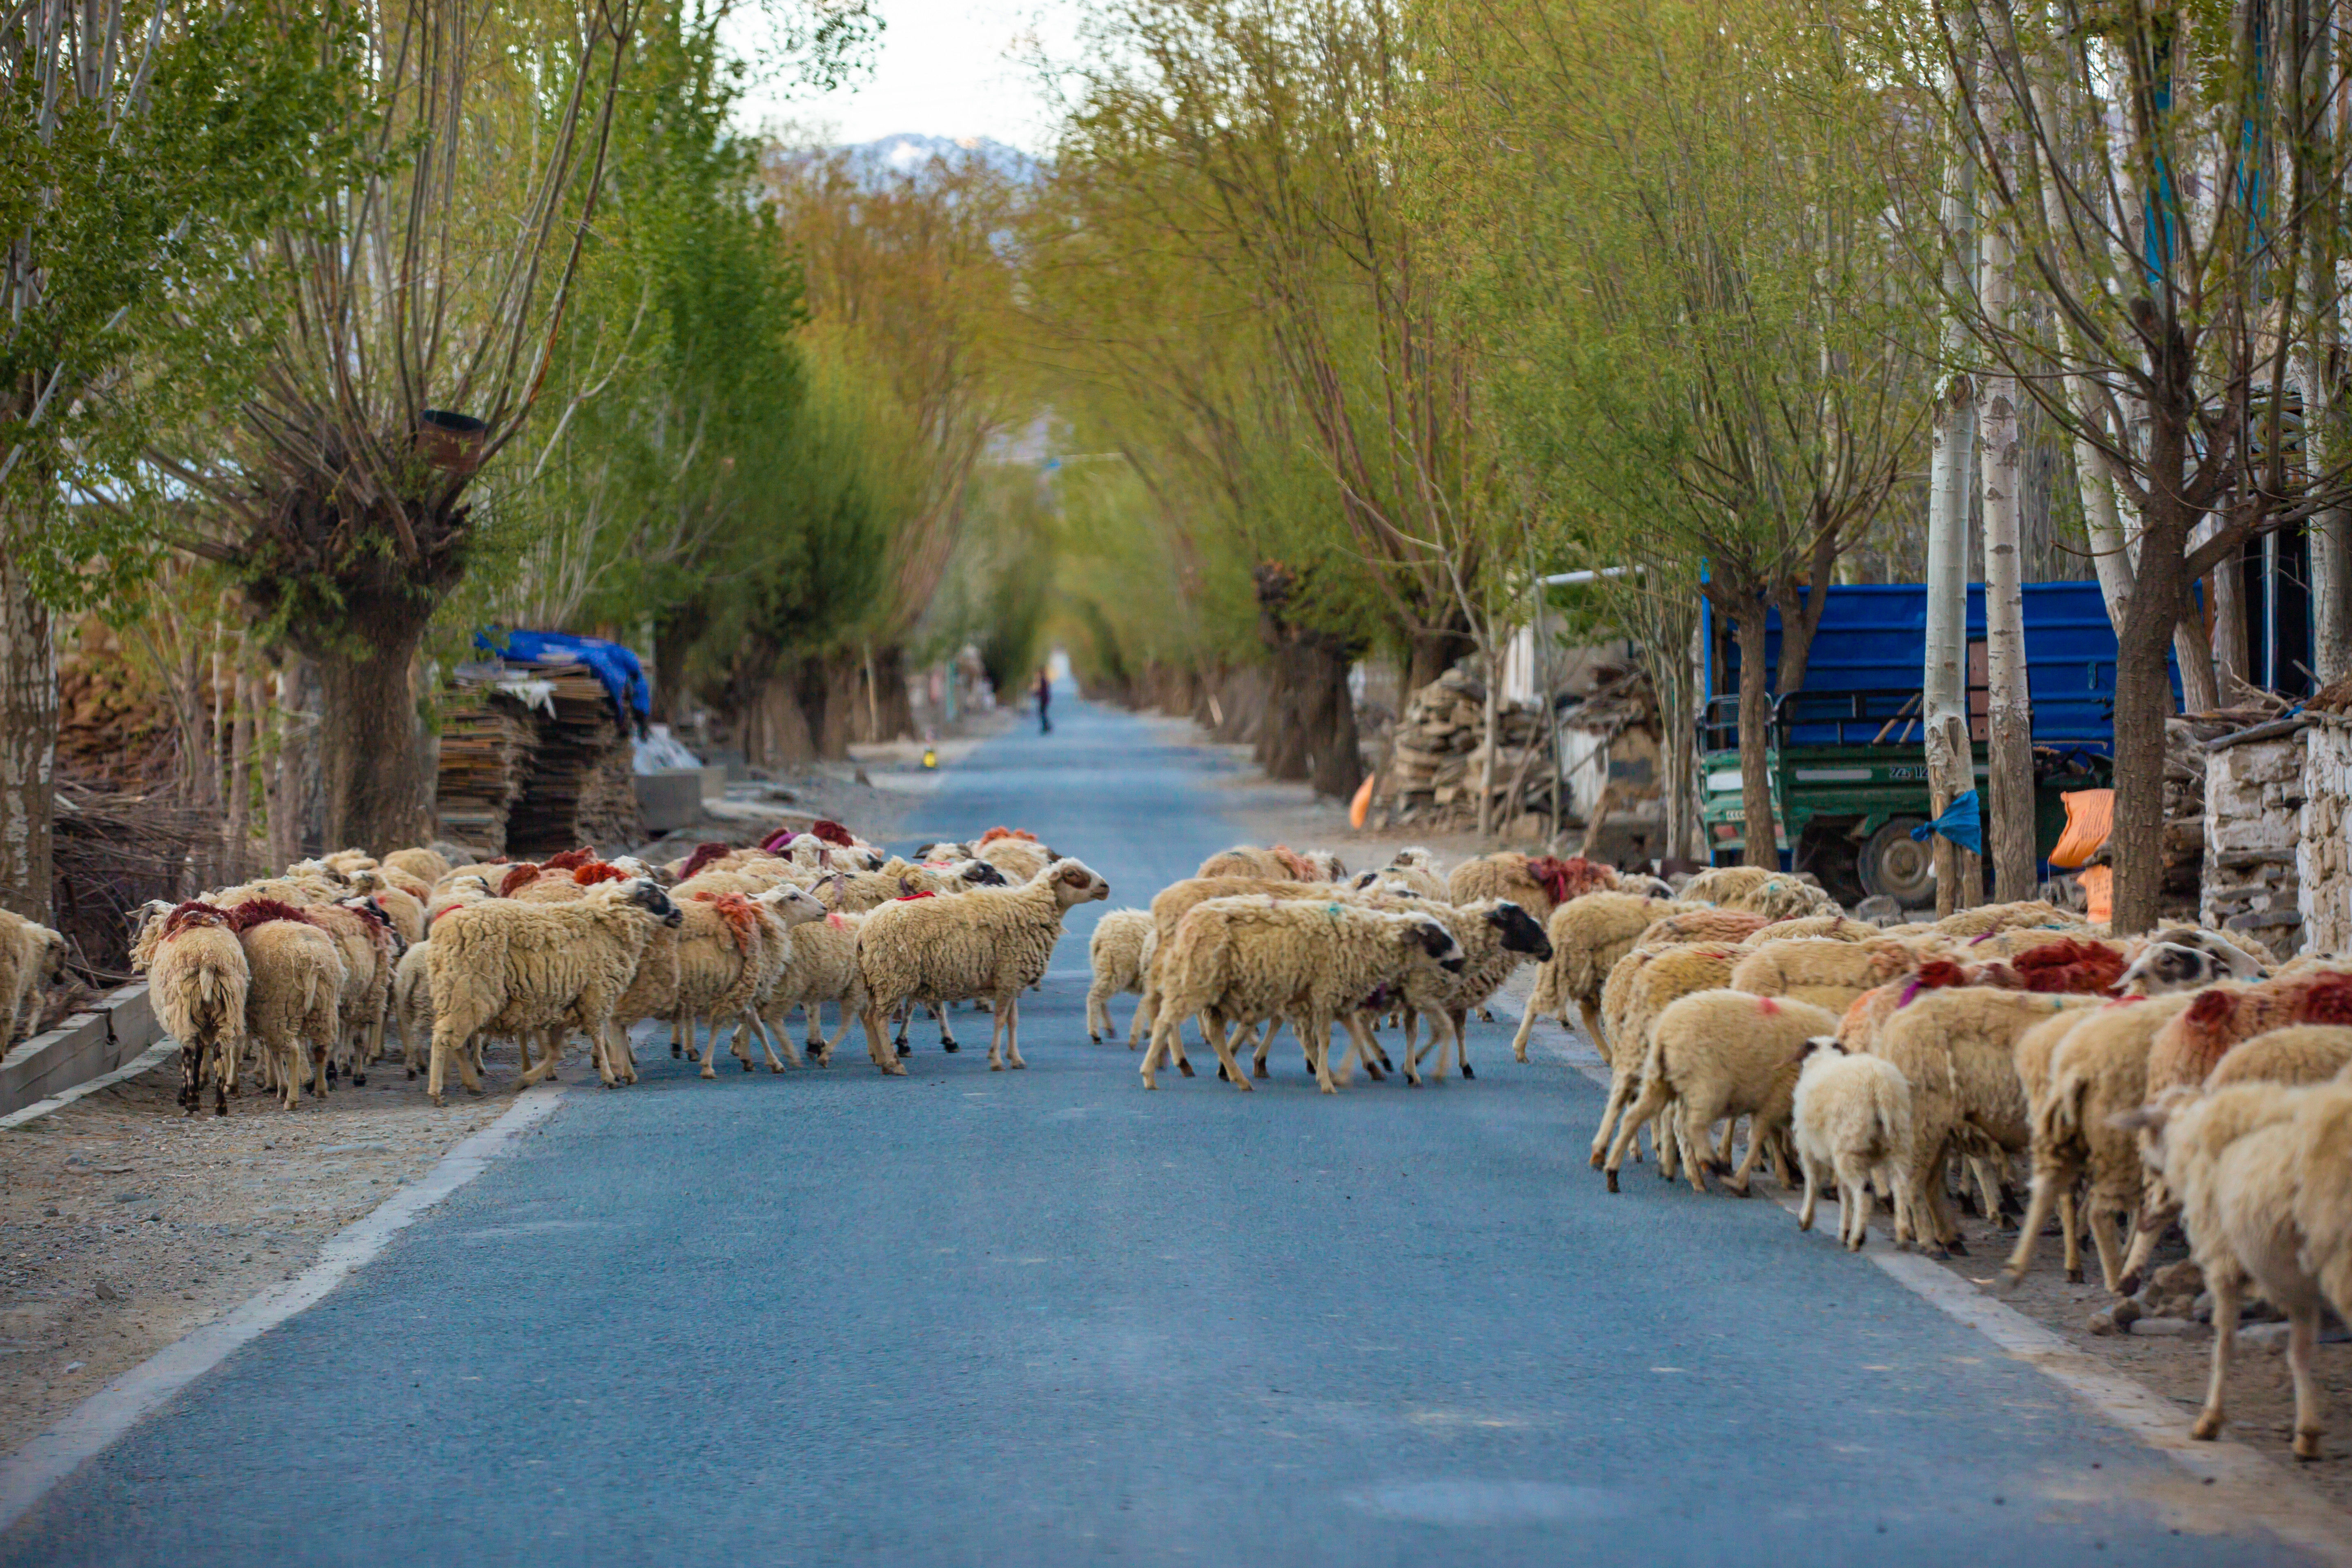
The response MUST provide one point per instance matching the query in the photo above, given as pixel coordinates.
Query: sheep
(1986, 918)
(1536, 883)
(1021, 860)
(1116, 952)
(1279, 864)
(1724, 1054)
(412, 1006)
(293, 995)
(1851, 1114)
(1720, 883)
(1244, 960)
(2187, 960)
(1833, 928)
(1821, 971)
(856, 892)
(402, 911)
(1706, 924)
(198, 981)
(1783, 898)
(1957, 1048)
(822, 967)
(32, 957)
(1589, 934)
(366, 940)
(1171, 904)
(731, 950)
(1421, 883)
(2300, 1053)
(508, 968)
(992, 944)
(427, 866)
(2095, 1071)
(2264, 1174)
(1654, 978)
(1496, 936)
(2221, 1015)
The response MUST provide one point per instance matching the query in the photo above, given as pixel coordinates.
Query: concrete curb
(120, 1026)
(93, 1426)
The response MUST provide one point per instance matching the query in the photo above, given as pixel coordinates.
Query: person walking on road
(1045, 696)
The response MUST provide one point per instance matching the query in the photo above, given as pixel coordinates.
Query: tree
(2169, 179)
(1671, 219)
(138, 152)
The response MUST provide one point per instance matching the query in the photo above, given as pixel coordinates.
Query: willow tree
(140, 150)
(2172, 179)
(1669, 221)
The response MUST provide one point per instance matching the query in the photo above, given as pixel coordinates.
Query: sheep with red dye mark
(197, 978)
(1723, 1054)
(1536, 883)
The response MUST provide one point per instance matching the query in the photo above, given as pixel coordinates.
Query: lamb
(1587, 934)
(992, 944)
(32, 957)
(1821, 971)
(1956, 1048)
(1724, 1054)
(1536, 883)
(2096, 1070)
(510, 968)
(1652, 979)
(2264, 1173)
(1244, 960)
(292, 996)
(197, 977)
(1117, 953)
(2301, 1053)
(1851, 1114)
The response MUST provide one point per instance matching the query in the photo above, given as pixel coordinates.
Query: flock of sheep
(2174, 1078)
(2145, 1082)
(299, 975)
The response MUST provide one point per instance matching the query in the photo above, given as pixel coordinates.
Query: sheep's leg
(1812, 1194)
(676, 1036)
(1160, 1030)
(948, 1042)
(1987, 1186)
(2302, 1340)
(1215, 1026)
(1622, 1081)
(711, 1038)
(2046, 1186)
(681, 1028)
(1011, 1011)
(2143, 1245)
(2102, 1223)
(1853, 1202)
(1098, 1020)
(1527, 1027)
(1591, 1011)
(1758, 1137)
(2070, 1230)
(1653, 1101)
(778, 1031)
(1141, 1021)
(1317, 1032)
(1360, 1043)
(545, 1067)
(739, 1038)
(2225, 1284)
(752, 1022)
(1695, 1121)
(878, 1045)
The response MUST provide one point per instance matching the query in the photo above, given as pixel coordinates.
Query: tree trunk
(892, 714)
(237, 829)
(2143, 697)
(1326, 713)
(372, 747)
(772, 728)
(28, 744)
(283, 794)
(2009, 793)
(673, 633)
(2199, 691)
(1494, 715)
(2228, 586)
(1433, 653)
(1944, 685)
(1757, 820)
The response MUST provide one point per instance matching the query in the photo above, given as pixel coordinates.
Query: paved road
(1048, 1318)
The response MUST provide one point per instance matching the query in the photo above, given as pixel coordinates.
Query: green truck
(1849, 772)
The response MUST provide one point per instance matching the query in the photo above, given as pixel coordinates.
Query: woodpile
(536, 763)
(1437, 757)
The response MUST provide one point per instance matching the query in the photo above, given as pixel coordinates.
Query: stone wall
(2323, 862)
(2253, 840)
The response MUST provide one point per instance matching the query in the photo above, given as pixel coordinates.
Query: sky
(947, 68)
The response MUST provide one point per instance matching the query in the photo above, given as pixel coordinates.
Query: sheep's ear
(1816, 1043)
(2150, 1117)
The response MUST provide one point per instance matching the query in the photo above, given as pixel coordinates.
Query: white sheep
(1587, 934)
(32, 957)
(1117, 953)
(513, 968)
(197, 980)
(990, 943)
(2264, 1173)
(1257, 959)
(1851, 1116)
(1821, 970)
(2300, 1053)
(292, 998)
(1642, 986)
(1724, 1054)
(822, 968)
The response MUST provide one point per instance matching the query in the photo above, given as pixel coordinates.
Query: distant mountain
(907, 151)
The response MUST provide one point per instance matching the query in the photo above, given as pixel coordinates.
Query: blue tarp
(616, 666)
(1962, 823)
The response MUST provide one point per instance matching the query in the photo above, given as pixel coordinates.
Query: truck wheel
(1828, 854)
(1890, 866)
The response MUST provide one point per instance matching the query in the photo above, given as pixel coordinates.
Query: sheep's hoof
(1738, 1190)
(1186, 1069)
(1855, 1244)
(772, 1067)
(1016, 1064)
(1938, 1252)
(1959, 1247)
(358, 1081)
(2207, 1429)
(2307, 1445)
(2127, 1286)
(412, 1078)
(675, 1050)
(1612, 1180)
(2011, 1278)
(996, 1067)
(1220, 1072)
(1598, 1156)
(1372, 1071)
(1093, 1038)
(2074, 1277)
(1258, 1069)
(438, 1101)
(1467, 1071)
(693, 1053)
(951, 1046)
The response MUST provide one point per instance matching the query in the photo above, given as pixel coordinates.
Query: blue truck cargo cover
(1874, 637)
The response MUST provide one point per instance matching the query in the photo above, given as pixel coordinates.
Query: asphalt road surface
(1045, 1317)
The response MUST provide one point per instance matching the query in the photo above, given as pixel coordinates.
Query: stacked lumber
(1438, 765)
(486, 751)
(580, 790)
